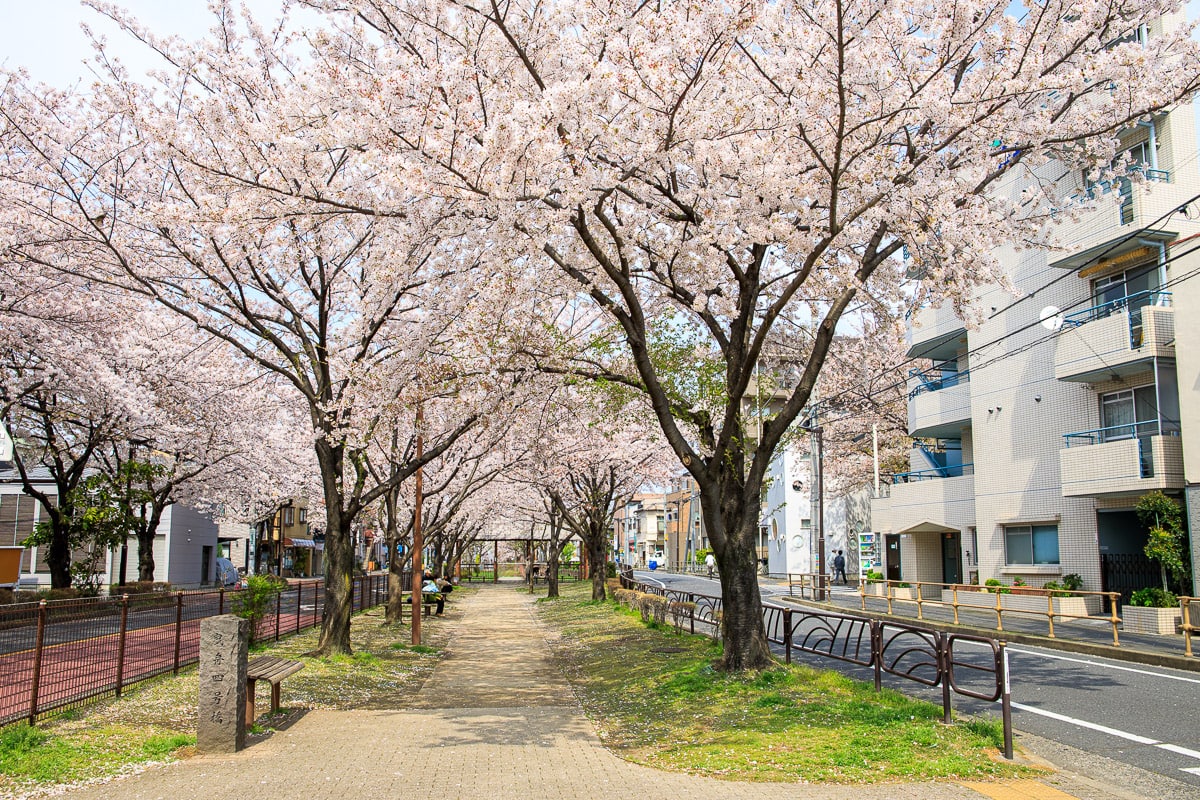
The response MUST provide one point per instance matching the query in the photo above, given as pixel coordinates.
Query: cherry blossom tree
(710, 176)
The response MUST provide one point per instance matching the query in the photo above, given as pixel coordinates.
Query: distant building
(185, 547)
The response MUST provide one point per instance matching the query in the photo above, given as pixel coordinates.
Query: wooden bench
(272, 670)
(426, 604)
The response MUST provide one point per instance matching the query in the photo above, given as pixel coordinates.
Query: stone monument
(222, 684)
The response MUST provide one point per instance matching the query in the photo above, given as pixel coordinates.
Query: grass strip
(656, 700)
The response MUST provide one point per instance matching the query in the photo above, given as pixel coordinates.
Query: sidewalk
(496, 720)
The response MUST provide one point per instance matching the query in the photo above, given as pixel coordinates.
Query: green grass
(658, 701)
(32, 756)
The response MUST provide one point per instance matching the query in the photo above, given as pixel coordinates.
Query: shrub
(995, 586)
(1153, 597)
(258, 598)
(610, 570)
(1019, 581)
(653, 608)
(139, 587)
(1072, 581)
(680, 612)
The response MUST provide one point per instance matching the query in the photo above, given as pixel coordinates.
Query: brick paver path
(496, 720)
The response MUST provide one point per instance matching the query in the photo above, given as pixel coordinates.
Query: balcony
(927, 500)
(935, 333)
(1117, 338)
(1123, 206)
(939, 404)
(1123, 460)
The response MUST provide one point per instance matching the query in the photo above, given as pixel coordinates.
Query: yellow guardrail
(969, 596)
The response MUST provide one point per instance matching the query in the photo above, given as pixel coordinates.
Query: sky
(44, 36)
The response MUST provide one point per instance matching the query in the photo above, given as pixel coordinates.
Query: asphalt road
(1146, 717)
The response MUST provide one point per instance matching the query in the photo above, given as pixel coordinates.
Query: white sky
(44, 36)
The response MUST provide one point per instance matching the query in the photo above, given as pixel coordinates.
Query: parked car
(227, 574)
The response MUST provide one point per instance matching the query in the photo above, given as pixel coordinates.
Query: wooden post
(418, 534)
(121, 643)
(38, 642)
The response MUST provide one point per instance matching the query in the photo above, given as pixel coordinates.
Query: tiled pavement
(496, 720)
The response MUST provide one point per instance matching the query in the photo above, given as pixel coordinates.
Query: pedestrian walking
(711, 563)
(839, 567)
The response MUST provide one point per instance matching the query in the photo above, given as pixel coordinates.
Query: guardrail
(933, 473)
(58, 654)
(961, 596)
(1188, 625)
(910, 652)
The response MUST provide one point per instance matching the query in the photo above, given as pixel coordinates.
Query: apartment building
(1035, 433)
(640, 530)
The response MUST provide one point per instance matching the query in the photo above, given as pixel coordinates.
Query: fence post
(999, 618)
(121, 643)
(877, 652)
(944, 665)
(37, 661)
(917, 591)
(1113, 597)
(1006, 703)
(221, 602)
(787, 636)
(1050, 612)
(278, 611)
(299, 592)
(1185, 607)
(178, 628)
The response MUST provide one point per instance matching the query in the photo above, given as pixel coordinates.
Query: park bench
(273, 670)
(428, 602)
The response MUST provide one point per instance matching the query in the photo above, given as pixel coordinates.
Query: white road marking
(1133, 737)
(1106, 666)
(1183, 751)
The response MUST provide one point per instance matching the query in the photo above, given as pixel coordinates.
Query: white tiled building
(1032, 444)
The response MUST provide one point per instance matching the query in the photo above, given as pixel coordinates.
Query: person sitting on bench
(431, 592)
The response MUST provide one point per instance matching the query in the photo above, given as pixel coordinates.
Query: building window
(1128, 413)
(1031, 544)
(289, 516)
(303, 515)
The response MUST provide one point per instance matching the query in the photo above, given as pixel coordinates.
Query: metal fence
(966, 665)
(59, 654)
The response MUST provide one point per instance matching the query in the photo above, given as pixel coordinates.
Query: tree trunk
(58, 554)
(552, 554)
(147, 530)
(597, 563)
(339, 556)
(733, 526)
(393, 612)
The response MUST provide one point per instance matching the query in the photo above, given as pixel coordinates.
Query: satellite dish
(1051, 317)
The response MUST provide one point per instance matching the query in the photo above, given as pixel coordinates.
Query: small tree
(1164, 542)
(97, 519)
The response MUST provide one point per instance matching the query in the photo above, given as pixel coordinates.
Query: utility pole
(418, 539)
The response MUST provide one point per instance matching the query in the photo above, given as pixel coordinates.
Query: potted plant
(873, 583)
(1151, 610)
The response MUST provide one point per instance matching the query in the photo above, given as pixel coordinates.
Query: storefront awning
(309, 543)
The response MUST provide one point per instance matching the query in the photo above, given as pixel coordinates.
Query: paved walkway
(496, 720)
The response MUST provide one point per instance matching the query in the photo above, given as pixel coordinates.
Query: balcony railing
(1134, 304)
(1124, 187)
(955, 471)
(931, 380)
(1142, 431)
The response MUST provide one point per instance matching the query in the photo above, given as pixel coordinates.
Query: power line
(1066, 274)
